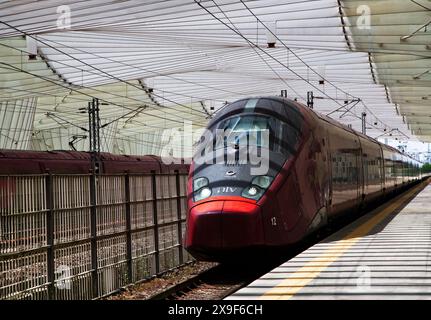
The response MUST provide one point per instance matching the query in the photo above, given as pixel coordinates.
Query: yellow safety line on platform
(299, 279)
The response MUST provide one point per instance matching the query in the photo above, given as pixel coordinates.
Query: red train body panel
(14, 162)
(328, 171)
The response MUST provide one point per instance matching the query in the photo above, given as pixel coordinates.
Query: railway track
(223, 280)
(213, 284)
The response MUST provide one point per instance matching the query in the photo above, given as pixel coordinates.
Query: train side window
(289, 137)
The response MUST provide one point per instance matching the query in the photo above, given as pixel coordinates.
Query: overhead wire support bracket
(150, 93)
(390, 133)
(418, 76)
(133, 113)
(346, 109)
(310, 99)
(364, 123)
(76, 138)
(404, 38)
(94, 126)
(55, 117)
(209, 115)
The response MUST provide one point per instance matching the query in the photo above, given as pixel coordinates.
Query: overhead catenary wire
(150, 71)
(83, 88)
(262, 58)
(308, 66)
(165, 33)
(266, 53)
(293, 52)
(275, 59)
(83, 93)
(88, 65)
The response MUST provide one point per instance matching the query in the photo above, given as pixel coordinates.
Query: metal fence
(85, 236)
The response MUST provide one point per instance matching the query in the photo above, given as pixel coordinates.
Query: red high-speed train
(318, 169)
(23, 162)
(15, 163)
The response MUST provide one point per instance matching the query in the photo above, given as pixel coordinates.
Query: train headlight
(200, 189)
(202, 194)
(257, 188)
(253, 192)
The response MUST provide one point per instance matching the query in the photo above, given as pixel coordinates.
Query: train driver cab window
(282, 136)
(249, 129)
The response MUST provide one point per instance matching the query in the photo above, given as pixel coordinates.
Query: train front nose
(222, 226)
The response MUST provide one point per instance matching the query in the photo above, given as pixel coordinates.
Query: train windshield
(248, 129)
(256, 131)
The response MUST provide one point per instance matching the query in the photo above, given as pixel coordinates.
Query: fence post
(50, 234)
(128, 229)
(179, 217)
(93, 201)
(156, 223)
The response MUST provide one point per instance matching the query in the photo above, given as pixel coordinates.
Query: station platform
(385, 254)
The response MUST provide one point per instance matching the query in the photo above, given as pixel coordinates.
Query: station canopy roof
(155, 64)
